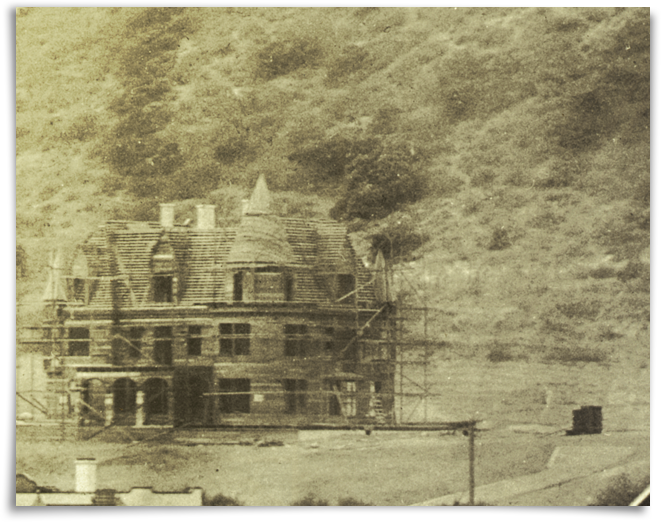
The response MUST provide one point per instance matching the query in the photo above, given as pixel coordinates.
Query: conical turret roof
(261, 236)
(260, 200)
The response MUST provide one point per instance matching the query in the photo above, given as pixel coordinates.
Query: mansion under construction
(275, 321)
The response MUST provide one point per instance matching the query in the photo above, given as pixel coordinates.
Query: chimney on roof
(206, 217)
(167, 215)
(85, 475)
(244, 206)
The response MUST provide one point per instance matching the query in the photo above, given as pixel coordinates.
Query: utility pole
(471, 464)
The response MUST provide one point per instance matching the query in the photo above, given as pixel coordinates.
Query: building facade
(273, 322)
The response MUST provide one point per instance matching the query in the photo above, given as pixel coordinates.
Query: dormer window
(346, 286)
(163, 273)
(238, 287)
(163, 288)
(79, 283)
(268, 283)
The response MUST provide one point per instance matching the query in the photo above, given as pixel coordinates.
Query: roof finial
(260, 201)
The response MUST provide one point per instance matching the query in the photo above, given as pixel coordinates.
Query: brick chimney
(206, 217)
(167, 215)
(85, 475)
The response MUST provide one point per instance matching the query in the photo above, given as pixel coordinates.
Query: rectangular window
(333, 403)
(134, 348)
(79, 343)
(329, 343)
(163, 345)
(346, 283)
(296, 392)
(289, 287)
(296, 340)
(79, 290)
(237, 399)
(234, 339)
(194, 340)
(348, 345)
(349, 398)
(238, 286)
(163, 289)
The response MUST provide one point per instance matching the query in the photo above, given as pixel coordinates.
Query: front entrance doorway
(191, 406)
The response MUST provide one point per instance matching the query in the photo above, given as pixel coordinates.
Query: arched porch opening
(155, 401)
(124, 394)
(92, 409)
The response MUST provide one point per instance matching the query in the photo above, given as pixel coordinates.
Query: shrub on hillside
(381, 181)
(328, 159)
(351, 60)
(286, 55)
(499, 239)
(580, 309)
(397, 238)
(497, 352)
(577, 353)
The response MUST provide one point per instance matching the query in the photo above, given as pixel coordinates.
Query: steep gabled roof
(309, 249)
(130, 253)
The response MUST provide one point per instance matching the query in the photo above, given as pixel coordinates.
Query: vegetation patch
(577, 354)
(621, 491)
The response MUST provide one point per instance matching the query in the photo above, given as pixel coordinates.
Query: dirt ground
(523, 426)
(384, 468)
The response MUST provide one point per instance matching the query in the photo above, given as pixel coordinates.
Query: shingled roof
(310, 250)
(261, 237)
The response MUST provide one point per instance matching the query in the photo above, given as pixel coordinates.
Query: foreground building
(272, 322)
(86, 493)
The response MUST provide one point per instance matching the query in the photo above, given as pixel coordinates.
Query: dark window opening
(296, 341)
(238, 398)
(123, 391)
(295, 395)
(135, 342)
(329, 345)
(334, 407)
(346, 283)
(349, 346)
(80, 346)
(234, 339)
(156, 397)
(289, 287)
(194, 341)
(79, 290)
(163, 289)
(238, 286)
(267, 269)
(163, 345)
(342, 400)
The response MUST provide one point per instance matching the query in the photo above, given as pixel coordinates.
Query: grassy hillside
(500, 154)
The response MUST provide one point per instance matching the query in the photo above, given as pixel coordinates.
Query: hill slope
(503, 153)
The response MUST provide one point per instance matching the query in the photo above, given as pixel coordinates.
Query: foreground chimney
(206, 217)
(167, 215)
(245, 204)
(85, 475)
